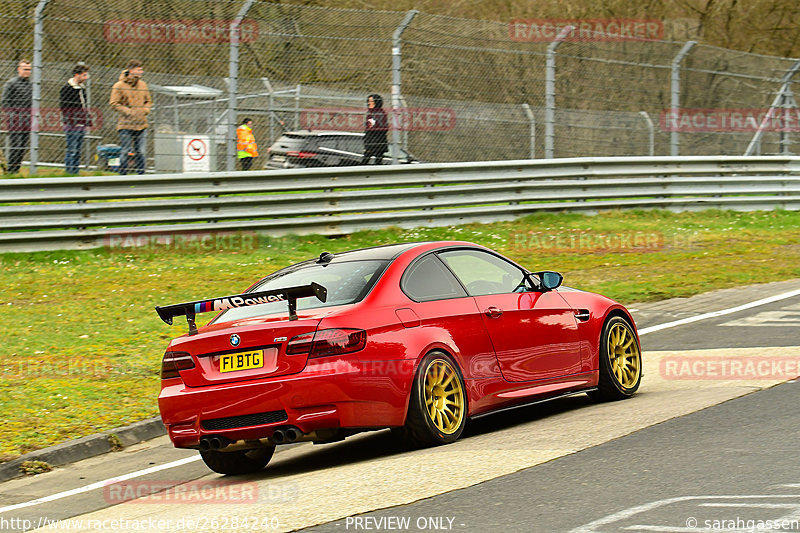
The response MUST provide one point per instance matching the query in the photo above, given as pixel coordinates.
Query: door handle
(493, 312)
(583, 315)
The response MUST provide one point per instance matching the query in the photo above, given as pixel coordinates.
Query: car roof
(386, 252)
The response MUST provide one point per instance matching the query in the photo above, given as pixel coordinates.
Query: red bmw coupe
(417, 337)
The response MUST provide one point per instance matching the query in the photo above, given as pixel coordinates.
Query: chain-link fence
(460, 89)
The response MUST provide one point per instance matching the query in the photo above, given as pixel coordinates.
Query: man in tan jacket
(130, 97)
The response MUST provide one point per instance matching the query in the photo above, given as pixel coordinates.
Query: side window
(483, 273)
(352, 144)
(327, 143)
(428, 279)
(311, 145)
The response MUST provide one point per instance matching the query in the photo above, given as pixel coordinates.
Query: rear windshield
(347, 283)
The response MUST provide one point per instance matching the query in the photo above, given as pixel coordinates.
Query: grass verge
(82, 347)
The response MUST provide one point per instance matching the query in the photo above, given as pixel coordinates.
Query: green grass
(82, 344)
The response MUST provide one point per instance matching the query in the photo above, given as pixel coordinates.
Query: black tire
(437, 409)
(238, 462)
(620, 362)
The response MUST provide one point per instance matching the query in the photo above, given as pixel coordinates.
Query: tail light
(302, 155)
(174, 362)
(327, 342)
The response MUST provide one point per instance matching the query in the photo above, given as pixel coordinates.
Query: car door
(535, 334)
(444, 309)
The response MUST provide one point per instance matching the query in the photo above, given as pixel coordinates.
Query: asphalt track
(532, 469)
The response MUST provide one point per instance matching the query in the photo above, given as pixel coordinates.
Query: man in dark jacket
(376, 126)
(17, 101)
(75, 116)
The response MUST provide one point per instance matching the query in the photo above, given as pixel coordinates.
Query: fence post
(233, 83)
(652, 132)
(396, 68)
(788, 103)
(550, 92)
(405, 131)
(87, 145)
(36, 81)
(783, 98)
(532, 122)
(675, 94)
(297, 106)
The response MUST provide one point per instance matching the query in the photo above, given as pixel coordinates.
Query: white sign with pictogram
(195, 153)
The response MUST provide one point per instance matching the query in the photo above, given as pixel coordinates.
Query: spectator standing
(75, 116)
(130, 97)
(247, 149)
(375, 127)
(17, 101)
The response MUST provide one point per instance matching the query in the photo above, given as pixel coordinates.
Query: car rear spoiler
(289, 294)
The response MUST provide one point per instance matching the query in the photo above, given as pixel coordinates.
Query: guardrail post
(36, 82)
(532, 122)
(550, 92)
(675, 94)
(233, 83)
(397, 64)
(652, 133)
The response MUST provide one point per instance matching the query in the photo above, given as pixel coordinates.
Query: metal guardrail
(82, 212)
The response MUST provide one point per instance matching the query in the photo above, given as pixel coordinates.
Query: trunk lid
(244, 350)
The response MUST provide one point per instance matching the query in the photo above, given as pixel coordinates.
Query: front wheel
(620, 362)
(238, 462)
(437, 409)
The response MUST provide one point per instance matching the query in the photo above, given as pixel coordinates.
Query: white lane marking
(755, 505)
(788, 316)
(722, 312)
(673, 529)
(100, 484)
(592, 527)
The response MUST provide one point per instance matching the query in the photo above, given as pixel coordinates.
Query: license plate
(241, 361)
(279, 158)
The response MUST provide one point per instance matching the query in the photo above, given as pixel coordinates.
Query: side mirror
(549, 279)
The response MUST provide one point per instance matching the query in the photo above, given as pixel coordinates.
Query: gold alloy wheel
(444, 396)
(623, 354)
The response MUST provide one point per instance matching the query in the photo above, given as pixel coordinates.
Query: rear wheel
(437, 409)
(238, 462)
(620, 362)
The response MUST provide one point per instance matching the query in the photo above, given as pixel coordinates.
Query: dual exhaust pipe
(214, 443)
(280, 436)
(287, 435)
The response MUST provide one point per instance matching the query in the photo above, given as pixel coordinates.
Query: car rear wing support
(289, 294)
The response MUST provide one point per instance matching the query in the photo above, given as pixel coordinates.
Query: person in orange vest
(246, 144)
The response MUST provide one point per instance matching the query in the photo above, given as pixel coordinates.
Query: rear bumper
(327, 394)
